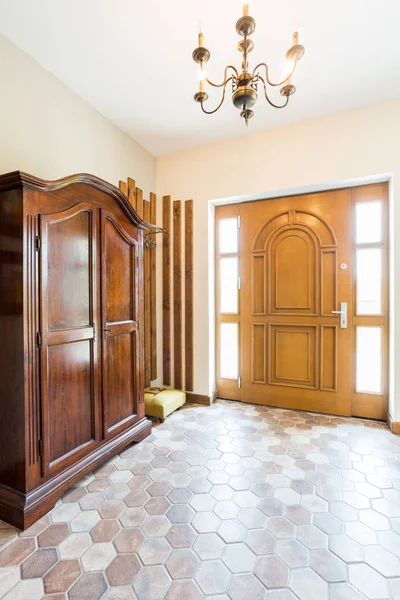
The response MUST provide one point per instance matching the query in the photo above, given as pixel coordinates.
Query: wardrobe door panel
(120, 377)
(120, 263)
(70, 397)
(69, 271)
(121, 352)
(68, 346)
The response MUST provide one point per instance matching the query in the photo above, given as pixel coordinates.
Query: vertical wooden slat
(147, 274)
(139, 202)
(189, 295)
(177, 256)
(122, 187)
(132, 192)
(166, 272)
(153, 293)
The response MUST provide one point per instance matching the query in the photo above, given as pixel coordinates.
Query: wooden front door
(120, 289)
(296, 261)
(285, 268)
(67, 336)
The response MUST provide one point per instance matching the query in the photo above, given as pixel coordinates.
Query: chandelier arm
(267, 98)
(211, 112)
(267, 76)
(219, 85)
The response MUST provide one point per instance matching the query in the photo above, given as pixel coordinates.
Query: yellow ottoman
(160, 402)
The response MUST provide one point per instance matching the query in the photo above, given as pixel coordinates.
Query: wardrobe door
(120, 272)
(68, 348)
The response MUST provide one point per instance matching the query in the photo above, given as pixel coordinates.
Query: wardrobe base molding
(22, 510)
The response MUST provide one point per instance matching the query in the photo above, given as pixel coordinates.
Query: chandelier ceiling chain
(245, 84)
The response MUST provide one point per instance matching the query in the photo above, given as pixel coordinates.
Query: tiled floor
(231, 501)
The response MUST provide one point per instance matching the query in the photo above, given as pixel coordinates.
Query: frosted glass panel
(368, 222)
(228, 272)
(228, 236)
(369, 360)
(369, 281)
(229, 359)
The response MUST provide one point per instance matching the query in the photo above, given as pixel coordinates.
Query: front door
(296, 261)
(302, 315)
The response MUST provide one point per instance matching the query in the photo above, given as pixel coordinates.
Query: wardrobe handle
(105, 330)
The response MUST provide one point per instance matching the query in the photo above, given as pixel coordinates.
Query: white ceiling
(131, 59)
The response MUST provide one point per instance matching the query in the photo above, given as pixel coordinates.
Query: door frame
(297, 191)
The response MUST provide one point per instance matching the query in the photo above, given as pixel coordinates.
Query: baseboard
(23, 509)
(198, 399)
(394, 426)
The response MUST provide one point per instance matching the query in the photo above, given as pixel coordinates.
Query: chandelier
(245, 84)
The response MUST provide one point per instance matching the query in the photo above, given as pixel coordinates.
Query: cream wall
(49, 131)
(316, 154)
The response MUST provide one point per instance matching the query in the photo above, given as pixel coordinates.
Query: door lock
(343, 314)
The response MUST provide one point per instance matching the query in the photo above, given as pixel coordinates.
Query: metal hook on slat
(148, 241)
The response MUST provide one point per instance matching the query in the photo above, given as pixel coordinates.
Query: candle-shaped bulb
(245, 9)
(202, 78)
(295, 38)
(201, 35)
(288, 71)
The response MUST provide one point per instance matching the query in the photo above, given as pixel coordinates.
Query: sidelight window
(370, 255)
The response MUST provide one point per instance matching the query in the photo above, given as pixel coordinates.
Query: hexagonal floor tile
(361, 533)
(179, 514)
(213, 577)
(252, 518)
(383, 561)
(179, 495)
(222, 492)
(154, 551)
(293, 553)
(89, 585)
(105, 530)
(345, 548)
(209, 546)
(244, 587)
(202, 502)
(307, 585)
(98, 557)
(311, 537)
(38, 563)
(181, 536)
(328, 566)
(272, 572)
(183, 590)
(182, 564)
(156, 526)
(62, 576)
(152, 583)
(368, 581)
(239, 558)
(280, 527)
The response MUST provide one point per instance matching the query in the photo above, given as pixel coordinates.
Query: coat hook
(148, 241)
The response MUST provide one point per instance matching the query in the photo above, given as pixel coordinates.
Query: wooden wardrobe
(71, 344)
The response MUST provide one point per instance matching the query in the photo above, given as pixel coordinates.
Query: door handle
(343, 314)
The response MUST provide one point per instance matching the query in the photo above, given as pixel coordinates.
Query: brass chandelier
(245, 84)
